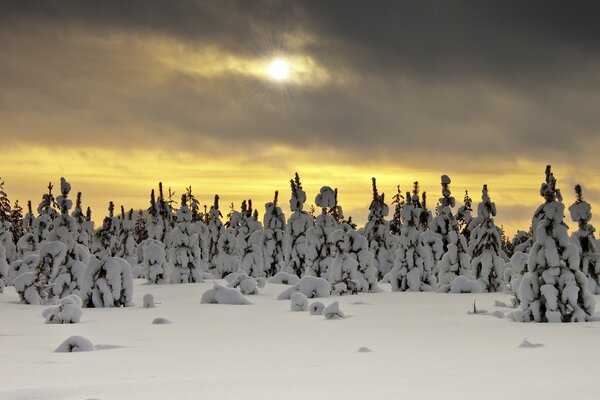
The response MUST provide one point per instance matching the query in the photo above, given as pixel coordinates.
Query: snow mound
(316, 308)
(75, 344)
(310, 286)
(462, 284)
(284, 278)
(243, 281)
(223, 295)
(498, 303)
(148, 301)
(333, 311)
(299, 302)
(160, 321)
(365, 350)
(68, 311)
(526, 344)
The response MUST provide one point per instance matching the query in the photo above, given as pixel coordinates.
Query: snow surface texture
(425, 322)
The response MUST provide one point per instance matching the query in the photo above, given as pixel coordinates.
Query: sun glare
(278, 70)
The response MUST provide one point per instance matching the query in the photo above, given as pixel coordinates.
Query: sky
(117, 96)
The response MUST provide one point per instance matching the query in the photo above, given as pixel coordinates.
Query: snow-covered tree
(413, 267)
(6, 227)
(185, 254)
(343, 270)
(36, 287)
(319, 251)
(106, 241)
(227, 260)
(17, 228)
(398, 202)
(69, 274)
(212, 233)
(273, 237)
(554, 289)
(128, 249)
(583, 238)
(297, 227)
(154, 266)
(377, 232)
(464, 217)
(251, 259)
(139, 231)
(155, 228)
(108, 283)
(487, 266)
(82, 234)
(358, 248)
(455, 262)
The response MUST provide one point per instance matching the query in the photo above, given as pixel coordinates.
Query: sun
(278, 70)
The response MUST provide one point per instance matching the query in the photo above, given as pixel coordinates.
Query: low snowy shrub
(284, 278)
(68, 311)
(310, 286)
(148, 301)
(462, 284)
(75, 344)
(333, 311)
(316, 308)
(299, 302)
(160, 321)
(223, 295)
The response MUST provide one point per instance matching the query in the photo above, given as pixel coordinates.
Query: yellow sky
(126, 177)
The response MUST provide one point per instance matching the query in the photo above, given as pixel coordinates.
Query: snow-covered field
(415, 346)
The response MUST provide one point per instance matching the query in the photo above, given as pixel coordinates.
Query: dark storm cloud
(495, 80)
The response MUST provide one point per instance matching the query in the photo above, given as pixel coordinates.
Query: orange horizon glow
(126, 177)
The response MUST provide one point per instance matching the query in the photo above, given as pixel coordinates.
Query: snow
(267, 352)
(299, 302)
(75, 344)
(223, 295)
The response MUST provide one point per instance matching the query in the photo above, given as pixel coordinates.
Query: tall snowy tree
(69, 275)
(128, 249)
(398, 202)
(82, 235)
(319, 251)
(487, 265)
(6, 234)
(155, 228)
(106, 241)
(413, 267)
(273, 237)
(213, 232)
(139, 231)
(297, 227)
(377, 232)
(464, 217)
(553, 289)
(185, 253)
(583, 238)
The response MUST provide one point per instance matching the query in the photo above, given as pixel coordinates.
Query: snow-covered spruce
(7, 226)
(319, 252)
(210, 239)
(19, 267)
(108, 283)
(155, 228)
(310, 286)
(444, 223)
(299, 302)
(106, 239)
(398, 201)
(554, 289)
(5, 278)
(248, 238)
(413, 267)
(296, 229)
(184, 255)
(583, 238)
(36, 287)
(68, 311)
(463, 216)
(273, 237)
(456, 262)
(128, 249)
(83, 236)
(222, 295)
(343, 269)
(228, 260)
(75, 344)
(155, 267)
(377, 232)
(68, 278)
(358, 248)
(487, 266)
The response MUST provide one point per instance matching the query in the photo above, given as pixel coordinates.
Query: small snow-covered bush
(284, 278)
(333, 311)
(245, 283)
(67, 312)
(310, 286)
(299, 302)
(223, 295)
(160, 321)
(148, 301)
(75, 344)
(316, 308)
(462, 284)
